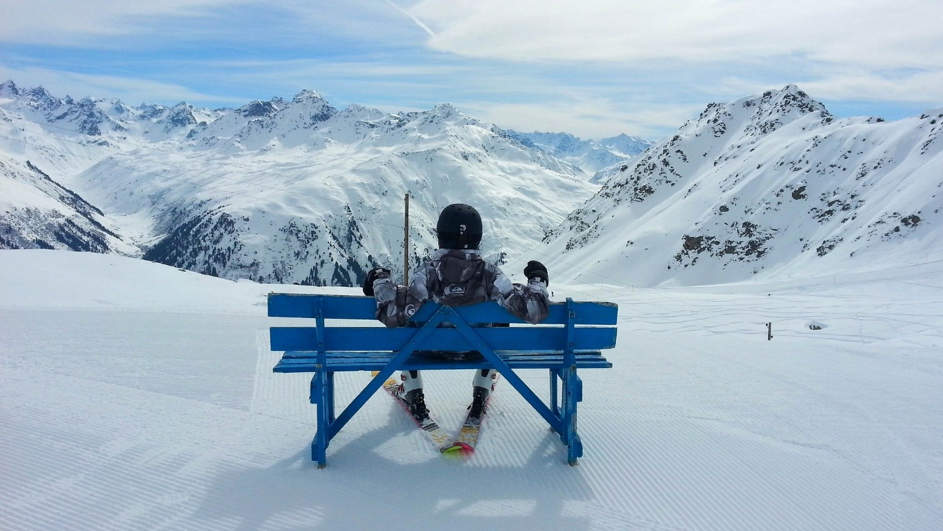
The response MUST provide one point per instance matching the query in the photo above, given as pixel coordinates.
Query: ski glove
(535, 269)
(374, 275)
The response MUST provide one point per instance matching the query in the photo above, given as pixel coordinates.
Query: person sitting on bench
(456, 275)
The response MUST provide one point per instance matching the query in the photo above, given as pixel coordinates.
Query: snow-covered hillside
(589, 155)
(38, 212)
(299, 191)
(764, 186)
(135, 396)
(284, 191)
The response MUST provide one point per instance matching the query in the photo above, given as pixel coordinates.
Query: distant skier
(456, 275)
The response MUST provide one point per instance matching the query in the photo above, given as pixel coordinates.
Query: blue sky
(593, 68)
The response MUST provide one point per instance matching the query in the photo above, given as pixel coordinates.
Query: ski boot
(479, 401)
(416, 402)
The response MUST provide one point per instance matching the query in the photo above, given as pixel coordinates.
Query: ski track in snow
(117, 419)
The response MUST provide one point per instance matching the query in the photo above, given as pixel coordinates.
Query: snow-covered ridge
(280, 191)
(299, 191)
(589, 155)
(765, 185)
(38, 212)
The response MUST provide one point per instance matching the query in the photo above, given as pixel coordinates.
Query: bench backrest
(570, 327)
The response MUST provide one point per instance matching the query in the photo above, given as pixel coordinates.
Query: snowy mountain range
(280, 191)
(590, 155)
(767, 185)
(299, 191)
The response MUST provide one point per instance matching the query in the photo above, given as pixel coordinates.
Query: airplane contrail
(410, 15)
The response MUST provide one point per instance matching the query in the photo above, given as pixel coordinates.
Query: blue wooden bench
(569, 339)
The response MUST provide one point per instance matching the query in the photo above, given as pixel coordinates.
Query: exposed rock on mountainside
(757, 185)
(288, 191)
(38, 212)
(299, 191)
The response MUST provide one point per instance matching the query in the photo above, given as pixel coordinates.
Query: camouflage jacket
(459, 278)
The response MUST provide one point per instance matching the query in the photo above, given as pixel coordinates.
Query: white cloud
(869, 32)
(68, 22)
(848, 84)
(232, 23)
(593, 68)
(586, 119)
(867, 86)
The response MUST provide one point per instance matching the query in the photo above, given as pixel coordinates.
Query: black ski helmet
(459, 227)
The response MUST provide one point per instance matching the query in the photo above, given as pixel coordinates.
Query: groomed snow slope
(137, 396)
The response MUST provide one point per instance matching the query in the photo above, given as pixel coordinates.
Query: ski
(464, 443)
(436, 435)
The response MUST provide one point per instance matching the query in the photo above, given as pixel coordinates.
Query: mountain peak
(308, 95)
(38, 93)
(446, 110)
(259, 108)
(759, 114)
(314, 105)
(180, 115)
(788, 100)
(9, 88)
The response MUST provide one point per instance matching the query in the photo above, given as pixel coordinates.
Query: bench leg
(322, 394)
(330, 397)
(554, 403)
(572, 394)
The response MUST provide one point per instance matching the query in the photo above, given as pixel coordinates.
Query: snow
(768, 186)
(589, 155)
(139, 396)
(288, 195)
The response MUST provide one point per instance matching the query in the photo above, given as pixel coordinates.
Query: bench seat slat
(373, 364)
(421, 356)
(384, 357)
(290, 369)
(363, 308)
(332, 307)
(587, 313)
(445, 339)
(352, 361)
